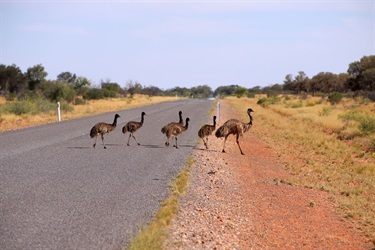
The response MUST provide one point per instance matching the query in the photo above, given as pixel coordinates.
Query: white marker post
(58, 111)
(218, 111)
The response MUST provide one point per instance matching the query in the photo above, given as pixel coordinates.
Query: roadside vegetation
(325, 146)
(25, 113)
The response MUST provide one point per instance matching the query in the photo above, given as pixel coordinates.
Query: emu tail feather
(124, 129)
(221, 132)
(164, 129)
(93, 132)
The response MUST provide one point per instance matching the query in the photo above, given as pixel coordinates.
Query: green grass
(153, 235)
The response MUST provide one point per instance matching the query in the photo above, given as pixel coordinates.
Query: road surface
(58, 192)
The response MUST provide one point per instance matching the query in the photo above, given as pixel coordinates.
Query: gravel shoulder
(238, 202)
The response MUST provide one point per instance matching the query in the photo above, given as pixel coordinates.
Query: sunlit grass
(309, 147)
(9, 121)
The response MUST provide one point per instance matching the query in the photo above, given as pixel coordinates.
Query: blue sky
(186, 43)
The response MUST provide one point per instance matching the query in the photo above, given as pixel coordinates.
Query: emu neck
(187, 124)
(142, 118)
(115, 121)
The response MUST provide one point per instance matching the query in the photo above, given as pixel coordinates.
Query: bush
(265, 102)
(325, 111)
(60, 91)
(64, 106)
(79, 101)
(366, 122)
(335, 98)
(94, 94)
(20, 107)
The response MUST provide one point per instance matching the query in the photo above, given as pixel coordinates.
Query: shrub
(94, 94)
(335, 98)
(66, 107)
(79, 101)
(20, 107)
(43, 106)
(265, 102)
(325, 111)
(366, 122)
(372, 145)
(60, 91)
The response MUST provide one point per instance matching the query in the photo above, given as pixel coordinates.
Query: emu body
(234, 127)
(102, 128)
(174, 130)
(181, 122)
(132, 127)
(206, 130)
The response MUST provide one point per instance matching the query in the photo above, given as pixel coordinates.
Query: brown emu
(234, 127)
(132, 127)
(174, 130)
(206, 130)
(181, 122)
(102, 129)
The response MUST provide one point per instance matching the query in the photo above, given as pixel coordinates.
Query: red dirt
(238, 202)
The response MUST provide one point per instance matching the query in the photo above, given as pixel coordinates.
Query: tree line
(15, 84)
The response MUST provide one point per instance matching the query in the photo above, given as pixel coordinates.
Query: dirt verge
(238, 202)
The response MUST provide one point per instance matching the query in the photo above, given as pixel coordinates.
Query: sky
(186, 43)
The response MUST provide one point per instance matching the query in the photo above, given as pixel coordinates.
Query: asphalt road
(58, 192)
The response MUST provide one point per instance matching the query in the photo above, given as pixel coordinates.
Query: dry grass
(308, 145)
(94, 107)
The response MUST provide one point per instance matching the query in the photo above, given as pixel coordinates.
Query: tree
(36, 76)
(325, 82)
(201, 91)
(133, 87)
(225, 90)
(12, 80)
(362, 74)
(151, 91)
(66, 77)
(81, 84)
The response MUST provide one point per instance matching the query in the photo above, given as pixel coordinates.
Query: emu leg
(176, 141)
(238, 143)
(225, 140)
(206, 142)
(103, 141)
(96, 137)
(135, 138)
(129, 140)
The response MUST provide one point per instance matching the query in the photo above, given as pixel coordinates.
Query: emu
(174, 130)
(206, 130)
(181, 122)
(132, 127)
(102, 129)
(234, 127)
